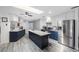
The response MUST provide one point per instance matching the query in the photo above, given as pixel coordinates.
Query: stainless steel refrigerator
(68, 33)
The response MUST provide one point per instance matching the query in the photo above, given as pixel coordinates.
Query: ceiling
(47, 10)
(53, 10)
(10, 10)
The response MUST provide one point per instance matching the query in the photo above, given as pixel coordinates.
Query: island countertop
(16, 30)
(40, 33)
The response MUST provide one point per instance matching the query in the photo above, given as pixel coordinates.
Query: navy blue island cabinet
(16, 35)
(40, 40)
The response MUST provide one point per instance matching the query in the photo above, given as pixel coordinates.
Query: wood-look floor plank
(26, 45)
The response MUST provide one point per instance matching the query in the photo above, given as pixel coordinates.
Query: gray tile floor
(26, 45)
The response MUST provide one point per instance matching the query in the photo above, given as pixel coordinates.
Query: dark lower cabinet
(15, 36)
(53, 35)
(40, 41)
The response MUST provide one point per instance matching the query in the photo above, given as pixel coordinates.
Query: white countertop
(41, 33)
(15, 30)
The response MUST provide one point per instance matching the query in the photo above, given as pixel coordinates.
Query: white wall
(78, 34)
(36, 24)
(42, 22)
(76, 28)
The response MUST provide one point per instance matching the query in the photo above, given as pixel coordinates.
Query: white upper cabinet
(70, 15)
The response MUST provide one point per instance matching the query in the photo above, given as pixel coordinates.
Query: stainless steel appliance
(78, 35)
(68, 33)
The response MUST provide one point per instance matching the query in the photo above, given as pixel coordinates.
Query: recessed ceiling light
(31, 9)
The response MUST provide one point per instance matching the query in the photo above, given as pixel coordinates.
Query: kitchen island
(16, 35)
(39, 38)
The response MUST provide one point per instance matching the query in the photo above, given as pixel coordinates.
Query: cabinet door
(5, 28)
